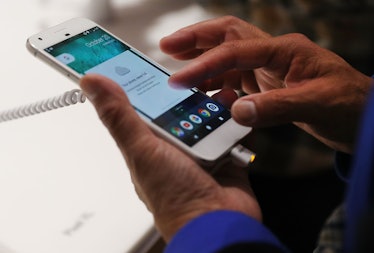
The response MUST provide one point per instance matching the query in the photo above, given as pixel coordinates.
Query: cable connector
(242, 156)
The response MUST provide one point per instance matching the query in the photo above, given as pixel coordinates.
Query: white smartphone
(189, 119)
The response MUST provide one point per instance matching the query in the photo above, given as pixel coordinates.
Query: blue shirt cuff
(215, 231)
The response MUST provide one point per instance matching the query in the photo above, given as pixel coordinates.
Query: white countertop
(64, 186)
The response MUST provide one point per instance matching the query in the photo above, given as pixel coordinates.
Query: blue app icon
(212, 107)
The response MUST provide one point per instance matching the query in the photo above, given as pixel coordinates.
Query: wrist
(171, 221)
(169, 224)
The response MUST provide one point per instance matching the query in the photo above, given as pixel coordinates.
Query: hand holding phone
(172, 185)
(189, 119)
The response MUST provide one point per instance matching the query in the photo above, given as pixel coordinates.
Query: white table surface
(64, 187)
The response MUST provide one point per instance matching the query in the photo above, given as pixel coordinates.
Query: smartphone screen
(189, 115)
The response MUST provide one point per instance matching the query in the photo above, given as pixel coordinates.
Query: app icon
(186, 125)
(177, 131)
(65, 58)
(212, 107)
(195, 119)
(204, 113)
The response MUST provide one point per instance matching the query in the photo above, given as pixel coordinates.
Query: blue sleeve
(360, 195)
(224, 231)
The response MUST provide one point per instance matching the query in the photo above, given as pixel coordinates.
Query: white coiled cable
(68, 98)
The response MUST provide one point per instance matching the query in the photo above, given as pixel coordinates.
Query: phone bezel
(208, 150)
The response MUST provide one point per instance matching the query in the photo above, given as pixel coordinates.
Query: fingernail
(176, 85)
(246, 111)
(89, 88)
(88, 92)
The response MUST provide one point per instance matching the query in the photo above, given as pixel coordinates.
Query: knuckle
(230, 20)
(237, 28)
(297, 38)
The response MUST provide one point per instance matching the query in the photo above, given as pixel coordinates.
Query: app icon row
(197, 119)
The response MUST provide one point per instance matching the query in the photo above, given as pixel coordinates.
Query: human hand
(172, 185)
(287, 78)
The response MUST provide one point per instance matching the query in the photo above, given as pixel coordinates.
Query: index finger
(193, 40)
(273, 54)
(243, 55)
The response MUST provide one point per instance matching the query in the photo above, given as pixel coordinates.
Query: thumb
(275, 107)
(115, 111)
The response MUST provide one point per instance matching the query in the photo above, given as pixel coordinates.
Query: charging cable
(68, 98)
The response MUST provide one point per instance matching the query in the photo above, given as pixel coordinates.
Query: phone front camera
(40, 38)
(67, 34)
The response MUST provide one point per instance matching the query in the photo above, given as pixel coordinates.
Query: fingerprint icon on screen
(122, 70)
